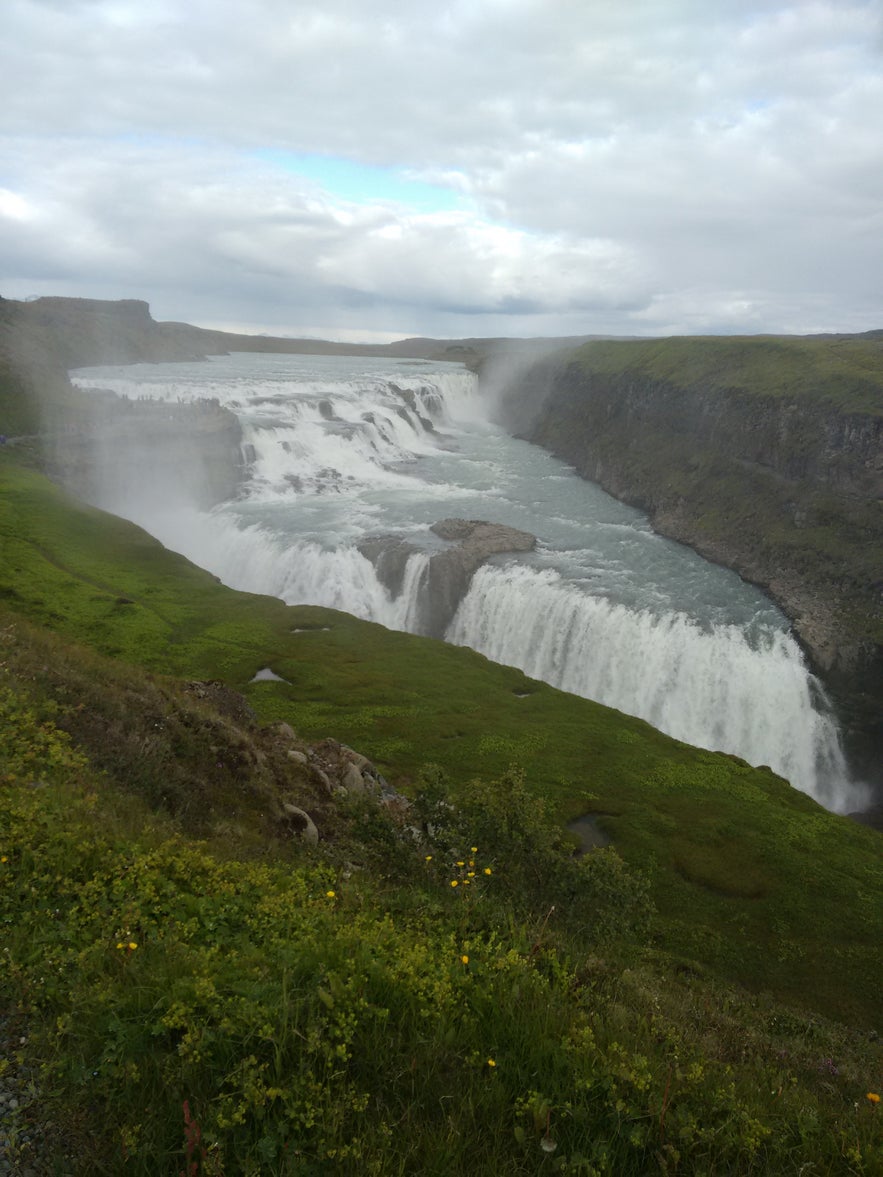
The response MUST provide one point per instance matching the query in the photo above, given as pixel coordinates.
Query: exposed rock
(450, 571)
(352, 780)
(389, 554)
(301, 823)
(322, 778)
(297, 756)
(361, 762)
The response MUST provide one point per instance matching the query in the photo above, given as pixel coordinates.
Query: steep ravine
(780, 483)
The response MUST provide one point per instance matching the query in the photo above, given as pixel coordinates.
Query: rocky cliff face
(469, 542)
(784, 488)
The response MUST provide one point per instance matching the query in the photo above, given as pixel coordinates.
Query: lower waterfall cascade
(337, 449)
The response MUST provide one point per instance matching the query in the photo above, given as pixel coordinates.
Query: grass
(841, 371)
(695, 1000)
(407, 701)
(275, 1017)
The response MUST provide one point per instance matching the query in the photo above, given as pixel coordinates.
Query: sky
(373, 169)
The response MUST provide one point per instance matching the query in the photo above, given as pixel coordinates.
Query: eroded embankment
(765, 456)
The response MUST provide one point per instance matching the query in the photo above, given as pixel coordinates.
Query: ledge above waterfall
(447, 573)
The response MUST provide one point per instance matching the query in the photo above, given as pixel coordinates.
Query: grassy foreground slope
(346, 1009)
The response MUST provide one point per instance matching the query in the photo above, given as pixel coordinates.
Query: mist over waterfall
(337, 449)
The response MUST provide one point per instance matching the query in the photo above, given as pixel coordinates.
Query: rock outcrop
(449, 571)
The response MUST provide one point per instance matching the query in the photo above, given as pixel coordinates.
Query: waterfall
(339, 450)
(708, 686)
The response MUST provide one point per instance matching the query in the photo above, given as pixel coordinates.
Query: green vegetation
(204, 994)
(843, 371)
(191, 1007)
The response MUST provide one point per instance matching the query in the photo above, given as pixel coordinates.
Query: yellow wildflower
(461, 864)
(429, 858)
(131, 946)
(455, 883)
(471, 874)
(487, 870)
(474, 849)
(491, 1063)
(464, 959)
(330, 894)
(4, 859)
(873, 1097)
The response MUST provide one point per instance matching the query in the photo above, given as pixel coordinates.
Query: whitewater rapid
(338, 449)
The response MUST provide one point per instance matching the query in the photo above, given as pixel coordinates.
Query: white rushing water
(338, 449)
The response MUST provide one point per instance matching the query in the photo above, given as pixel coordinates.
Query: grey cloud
(630, 167)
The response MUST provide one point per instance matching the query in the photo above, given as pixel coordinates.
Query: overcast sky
(381, 168)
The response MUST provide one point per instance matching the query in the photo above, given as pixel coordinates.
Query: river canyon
(345, 466)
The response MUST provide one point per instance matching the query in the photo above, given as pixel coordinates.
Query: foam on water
(339, 448)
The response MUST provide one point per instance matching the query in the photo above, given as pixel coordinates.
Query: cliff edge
(765, 454)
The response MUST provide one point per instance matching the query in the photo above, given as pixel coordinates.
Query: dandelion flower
(330, 894)
(4, 859)
(131, 946)
(873, 1097)
(487, 870)
(471, 875)
(464, 959)
(455, 883)
(474, 849)
(121, 946)
(461, 864)
(429, 858)
(466, 882)
(491, 1062)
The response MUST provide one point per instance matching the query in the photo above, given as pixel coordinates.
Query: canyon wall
(763, 454)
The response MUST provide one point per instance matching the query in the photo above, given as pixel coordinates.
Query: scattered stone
(352, 780)
(301, 823)
(322, 778)
(361, 762)
(296, 756)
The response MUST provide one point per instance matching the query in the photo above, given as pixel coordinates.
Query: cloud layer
(581, 166)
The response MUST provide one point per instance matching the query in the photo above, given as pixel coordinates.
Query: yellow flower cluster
(467, 869)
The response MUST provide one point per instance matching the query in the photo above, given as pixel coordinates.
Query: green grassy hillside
(845, 372)
(197, 987)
